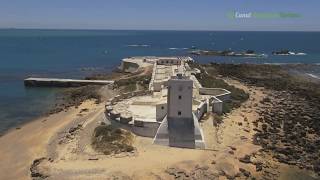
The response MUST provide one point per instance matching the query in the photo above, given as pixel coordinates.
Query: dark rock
(72, 129)
(245, 159)
(258, 167)
(282, 158)
(264, 127)
(245, 172)
(35, 172)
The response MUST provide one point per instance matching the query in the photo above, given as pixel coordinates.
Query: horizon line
(111, 29)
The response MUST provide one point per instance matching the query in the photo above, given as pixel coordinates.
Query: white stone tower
(180, 117)
(180, 97)
(180, 128)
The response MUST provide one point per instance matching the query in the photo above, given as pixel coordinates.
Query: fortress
(171, 109)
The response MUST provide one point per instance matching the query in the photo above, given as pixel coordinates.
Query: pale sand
(18, 148)
(40, 139)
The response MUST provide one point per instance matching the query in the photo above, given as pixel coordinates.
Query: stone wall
(152, 77)
(201, 110)
(138, 127)
(214, 91)
(129, 95)
(125, 120)
(196, 82)
(149, 129)
(217, 105)
(128, 66)
(161, 111)
(169, 61)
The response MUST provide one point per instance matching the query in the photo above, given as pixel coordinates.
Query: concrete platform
(163, 136)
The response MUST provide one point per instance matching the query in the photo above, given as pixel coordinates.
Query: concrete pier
(52, 82)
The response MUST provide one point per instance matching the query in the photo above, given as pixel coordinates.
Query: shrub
(110, 140)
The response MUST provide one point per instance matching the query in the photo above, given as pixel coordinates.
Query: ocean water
(78, 53)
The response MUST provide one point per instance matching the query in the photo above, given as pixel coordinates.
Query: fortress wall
(149, 129)
(129, 66)
(213, 91)
(217, 105)
(223, 97)
(202, 108)
(157, 85)
(196, 82)
(161, 111)
(140, 128)
(153, 76)
(129, 95)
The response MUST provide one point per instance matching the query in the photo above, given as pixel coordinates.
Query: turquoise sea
(77, 53)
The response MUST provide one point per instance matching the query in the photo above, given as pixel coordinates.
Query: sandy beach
(20, 147)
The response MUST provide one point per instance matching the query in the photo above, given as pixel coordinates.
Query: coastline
(31, 140)
(232, 149)
(22, 124)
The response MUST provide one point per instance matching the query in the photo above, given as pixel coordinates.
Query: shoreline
(32, 144)
(308, 75)
(234, 150)
(26, 122)
(55, 106)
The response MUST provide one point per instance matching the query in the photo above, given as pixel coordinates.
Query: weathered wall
(223, 97)
(129, 95)
(169, 61)
(202, 109)
(157, 85)
(148, 129)
(161, 111)
(217, 105)
(213, 91)
(128, 66)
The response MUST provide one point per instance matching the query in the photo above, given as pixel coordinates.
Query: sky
(161, 14)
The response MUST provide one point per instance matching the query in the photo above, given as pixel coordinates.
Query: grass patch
(75, 96)
(130, 84)
(238, 96)
(110, 140)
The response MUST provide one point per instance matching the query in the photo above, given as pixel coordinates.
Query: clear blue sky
(157, 14)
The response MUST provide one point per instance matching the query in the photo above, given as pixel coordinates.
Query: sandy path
(18, 148)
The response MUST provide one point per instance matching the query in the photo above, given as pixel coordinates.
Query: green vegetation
(209, 80)
(75, 96)
(274, 77)
(130, 84)
(110, 140)
(106, 76)
(80, 94)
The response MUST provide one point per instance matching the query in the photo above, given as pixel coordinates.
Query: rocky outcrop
(36, 173)
(290, 128)
(198, 172)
